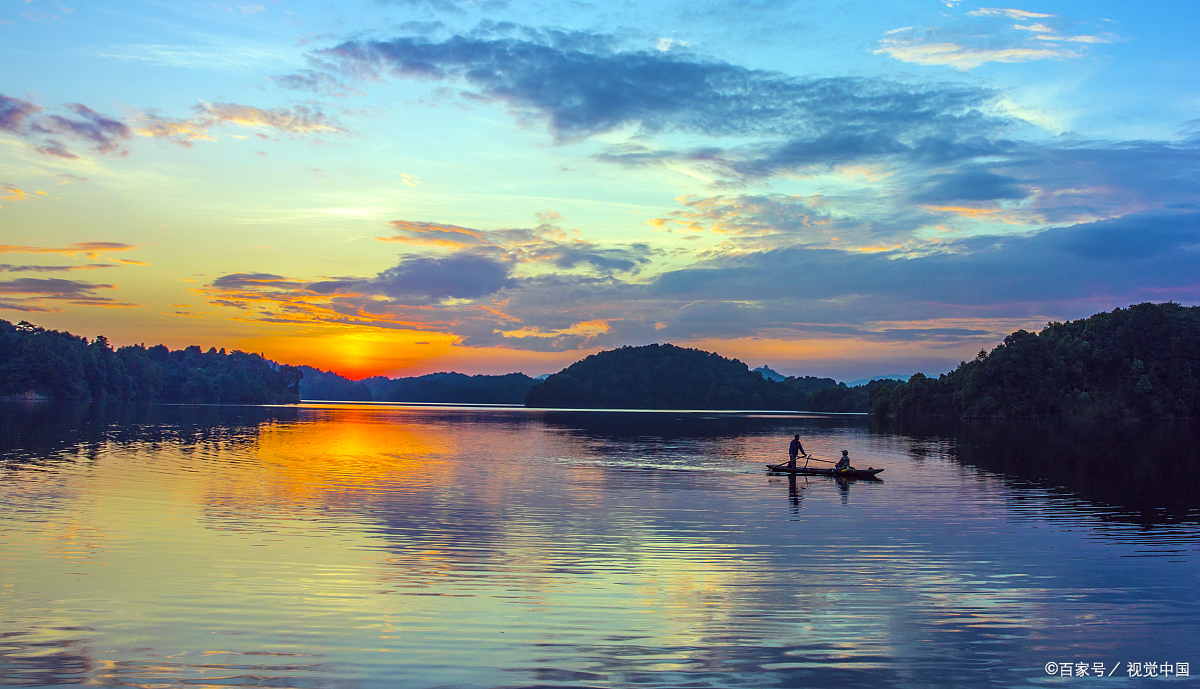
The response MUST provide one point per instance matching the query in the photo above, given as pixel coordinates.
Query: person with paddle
(795, 449)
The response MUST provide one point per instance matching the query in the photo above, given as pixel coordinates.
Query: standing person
(843, 463)
(793, 450)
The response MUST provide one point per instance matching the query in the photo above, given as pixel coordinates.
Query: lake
(363, 546)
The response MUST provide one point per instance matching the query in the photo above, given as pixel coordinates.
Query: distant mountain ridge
(448, 387)
(327, 385)
(451, 387)
(770, 374)
(890, 376)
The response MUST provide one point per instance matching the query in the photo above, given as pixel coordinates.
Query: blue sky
(401, 187)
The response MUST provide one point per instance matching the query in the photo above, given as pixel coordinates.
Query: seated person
(843, 463)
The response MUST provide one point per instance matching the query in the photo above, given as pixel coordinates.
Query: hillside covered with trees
(35, 362)
(663, 376)
(1142, 362)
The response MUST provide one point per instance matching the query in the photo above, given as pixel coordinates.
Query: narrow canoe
(815, 471)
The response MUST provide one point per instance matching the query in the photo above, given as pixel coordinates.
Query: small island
(663, 376)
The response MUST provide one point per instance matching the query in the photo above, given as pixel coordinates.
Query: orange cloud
(965, 211)
(299, 120)
(182, 132)
(296, 120)
(584, 329)
(269, 298)
(434, 234)
(13, 193)
(92, 250)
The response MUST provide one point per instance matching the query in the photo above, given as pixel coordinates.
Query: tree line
(35, 362)
(1139, 362)
(509, 388)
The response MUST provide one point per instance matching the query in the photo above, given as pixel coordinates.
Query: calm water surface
(387, 546)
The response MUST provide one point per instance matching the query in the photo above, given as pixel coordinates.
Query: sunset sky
(406, 186)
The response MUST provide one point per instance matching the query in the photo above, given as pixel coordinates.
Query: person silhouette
(843, 463)
(793, 450)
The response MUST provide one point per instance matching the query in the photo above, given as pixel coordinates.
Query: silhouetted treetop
(663, 376)
(1139, 362)
(36, 362)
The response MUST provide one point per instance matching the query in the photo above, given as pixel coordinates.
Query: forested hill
(1141, 362)
(663, 376)
(35, 362)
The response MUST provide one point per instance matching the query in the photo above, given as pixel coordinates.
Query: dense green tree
(1139, 362)
(62, 366)
(663, 376)
(843, 399)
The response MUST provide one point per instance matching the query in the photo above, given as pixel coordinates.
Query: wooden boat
(818, 471)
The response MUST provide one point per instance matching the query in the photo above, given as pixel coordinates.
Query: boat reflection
(796, 488)
(798, 483)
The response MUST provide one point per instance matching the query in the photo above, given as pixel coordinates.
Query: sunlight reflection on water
(422, 547)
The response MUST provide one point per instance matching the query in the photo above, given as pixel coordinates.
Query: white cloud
(666, 44)
(1010, 13)
(219, 55)
(964, 57)
(984, 36)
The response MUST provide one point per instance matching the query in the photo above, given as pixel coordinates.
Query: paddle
(807, 459)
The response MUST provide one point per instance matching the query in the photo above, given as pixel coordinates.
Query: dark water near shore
(387, 546)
